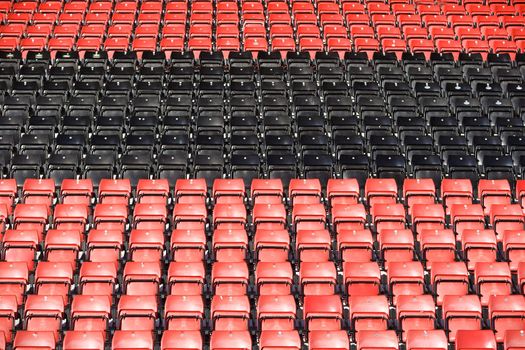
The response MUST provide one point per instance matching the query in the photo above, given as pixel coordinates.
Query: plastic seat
(506, 313)
(230, 278)
(266, 191)
(376, 340)
(494, 192)
(185, 278)
(90, 313)
(189, 216)
(492, 278)
(21, 246)
(415, 313)
(479, 246)
(405, 278)
(381, 191)
(506, 217)
(77, 340)
(269, 216)
(76, 191)
(428, 217)
(369, 313)
(272, 245)
(275, 339)
(123, 340)
(313, 245)
(25, 340)
(513, 248)
(116, 191)
(274, 278)
(323, 312)
(328, 339)
(317, 278)
(41, 191)
(229, 216)
(396, 244)
(62, 246)
(142, 278)
(146, 245)
(31, 217)
(513, 339)
(348, 217)
(461, 312)
(104, 245)
(449, 278)
(53, 278)
(137, 312)
(239, 340)
(276, 312)
(475, 339)
(456, 191)
(230, 313)
(388, 217)
(8, 193)
(172, 340)
(304, 191)
(438, 246)
(97, 278)
(355, 245)
(466, 217)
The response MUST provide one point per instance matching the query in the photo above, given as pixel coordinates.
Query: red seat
(267, 191)
(479, 246)
(52, 278)
(272, 245)
(361, 278)
(503, 46)
(513, 340)
(168, 45)
(405, 278)
(114, 191)
(146, 245)
(31, 217)
(309, 216)
(276, 312)
(274, 278)
(28, 340)
(520, 189)
(76, 191)
(90, 313)
(110, 217)
(334, 339)
(230, 245)
(62, 246)
(369, 313)
(339, 45)
(348, 217)
(230, 278)
(342, 191)
(142, 278)
(229, 216)
(70, 217)
(366, 45)
(188, 245)
(318, 278)
(189, 216)
(235, 340)
(185, 278)
(304, 191)
(492, 278)
(372, 340)
(21, 246)
(493, 192)
(428, 217)
(355, 245)
(172, 31)
(323, 312)
(514, 248)
(269, 216)
(273, 340)
(78, 340)
(461, 312)
(137, 312)
(8, 193)
(44, 313)
(381, 191)
(449, 278)
(396, 245)
(313, 245)
(125, 340)
(506, 312)
(475, 339)
(13, 279)
(466, 217)
(418, 191)
(230, 313)
(438, 246)
(441, 32)
(388, 217)
(150, 216)
(506, 217)
(104, 245)
(174, 340)
(433, 339)
(184, 312)
(415, 312)
(97, 278)
(8, 316)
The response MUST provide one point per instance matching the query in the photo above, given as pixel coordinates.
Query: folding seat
(228, 190)
(230, 245)
(503, 46)
(377, 340)
(8, 193)
(492, 278)
(25, 340)
(466, 217)
(266, 191)
(415, 313)
(313, 245)
(308, 217)
(54, 278)
(461, 312)
(77, 340)
(318, 278)
(97, 278)
(369, 46)
(117, 191)
(276, 312)
(43, 313)
(146, 245)
(342, 191)
(381, 191)
(187, 245)
(388, 217)
(506, 217)
(183, 312)
(38, 191)
(322, 312)
(137, 312)
(21, 246)
(70, 217)
(418, 191)
(506, 313)
(123, 340)
(368, 313)
(272, 339)
(110, 217)
(513, 248)
(479, 246)
(154, 191)
(142, 278)
(405, 278)
(190, 191)
(32, 217)
(14, 277)
(437, 246)
(230, 313)
(428, 217)
(186, 278)
(90, 313)
(62, 245)
(396, 245)
(229, 216)
(494, 192)
(104, 245)
(478, 339)
(230, 278)
(8, 316)
(172, 340)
